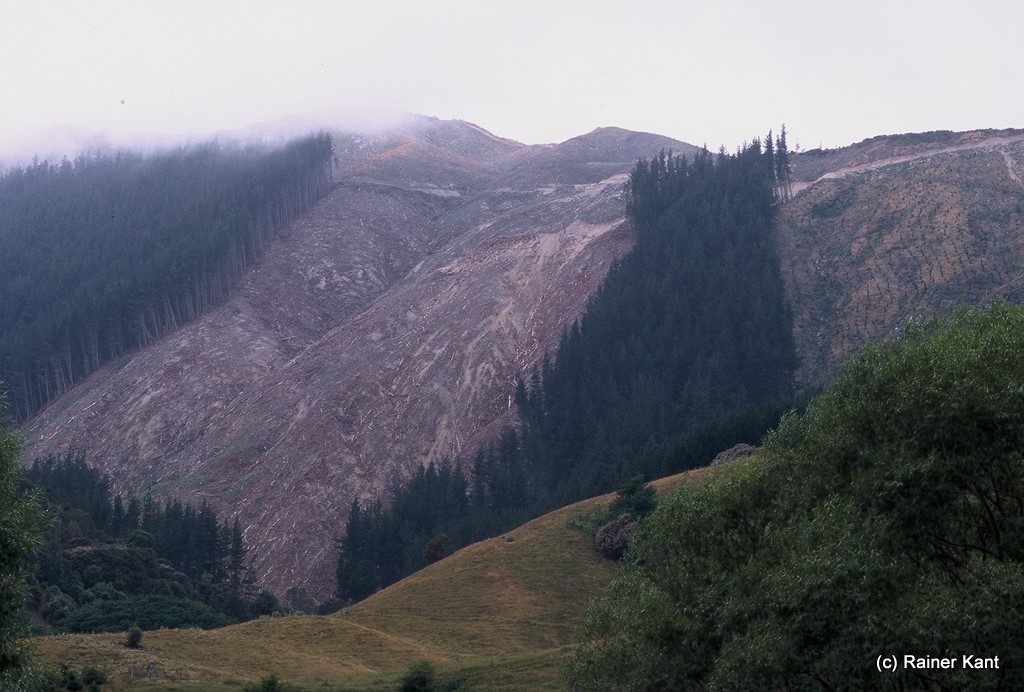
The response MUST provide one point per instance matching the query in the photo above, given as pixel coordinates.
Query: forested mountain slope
(685, 350)
(385, 328)
(110, 252)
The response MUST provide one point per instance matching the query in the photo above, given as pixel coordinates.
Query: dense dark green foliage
(422, 676)
(268, 683)
(89, 678)
(108, 253)
(886, 520)
(634, 498)
(147, 612)
(104, 550)
(22, 527)
(684, 351)
(689, 327)
(439, 547)
(383, 545)
(133, 637)
(430, 515)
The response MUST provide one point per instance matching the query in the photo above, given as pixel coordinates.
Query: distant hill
(897, 228)
(500, 613)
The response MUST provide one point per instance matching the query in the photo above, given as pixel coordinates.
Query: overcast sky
(703, 71)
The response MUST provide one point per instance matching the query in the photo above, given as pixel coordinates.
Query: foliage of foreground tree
(22, 526)
(887, 520)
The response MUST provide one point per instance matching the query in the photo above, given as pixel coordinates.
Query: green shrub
(141, 539)
(886, 520)
(270, 683)
(22, 531)
(148, 612)
(69, 679)
(612, 528)
(612, 539)
(634, 498)
(133, 637)
(265, 603)
(55, 605)
(422, 676)
(66, 678)
(93, 676)
(439, 547)
(331, 605)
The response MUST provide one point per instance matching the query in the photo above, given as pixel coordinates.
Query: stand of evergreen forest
(106, 254)
(109, 562)
(685, 350)
(101, 256)
(81, 559)
(22, 523)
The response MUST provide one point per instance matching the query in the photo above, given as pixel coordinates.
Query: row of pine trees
(107, 253)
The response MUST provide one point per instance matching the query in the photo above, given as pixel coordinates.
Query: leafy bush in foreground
(22, 527)
(269, 683)
(887, 520)
(422, 676)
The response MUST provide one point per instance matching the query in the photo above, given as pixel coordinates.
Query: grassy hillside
(500, 613)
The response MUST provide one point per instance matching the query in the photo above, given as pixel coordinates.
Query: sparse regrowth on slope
(886, 521)
(907, 226)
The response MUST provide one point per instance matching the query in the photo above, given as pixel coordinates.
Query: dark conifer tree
(236, 558)
(769, 156)
(783, 172)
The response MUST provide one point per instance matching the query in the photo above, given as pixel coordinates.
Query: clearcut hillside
(382, 329)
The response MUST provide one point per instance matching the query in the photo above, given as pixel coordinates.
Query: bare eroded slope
(384, 329)
(896, 229)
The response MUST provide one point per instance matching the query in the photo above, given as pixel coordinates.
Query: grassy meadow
(500, 614)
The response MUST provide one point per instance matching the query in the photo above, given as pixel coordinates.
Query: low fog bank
(53, 144)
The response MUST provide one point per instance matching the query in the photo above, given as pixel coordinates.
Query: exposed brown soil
(899, 236)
